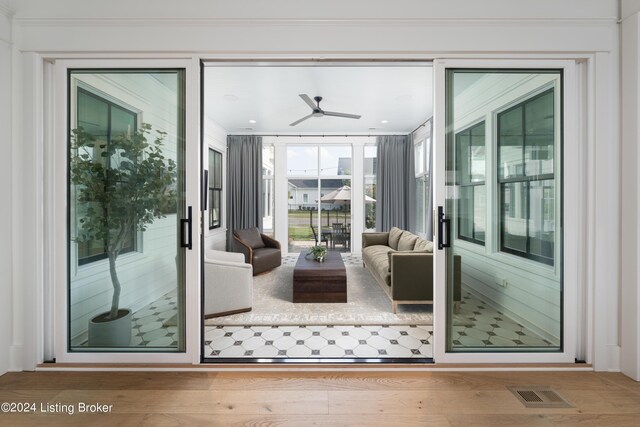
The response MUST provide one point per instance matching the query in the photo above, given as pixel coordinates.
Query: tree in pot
(124, 185)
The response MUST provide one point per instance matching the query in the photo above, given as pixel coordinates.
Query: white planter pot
(110, 333)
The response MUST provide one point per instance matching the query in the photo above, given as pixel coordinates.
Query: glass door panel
(503, 204)
(126, 199)
(335, 214)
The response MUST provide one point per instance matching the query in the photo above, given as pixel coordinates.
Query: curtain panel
(244, 184)
(395, 183)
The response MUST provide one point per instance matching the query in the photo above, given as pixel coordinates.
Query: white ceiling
(269, 95)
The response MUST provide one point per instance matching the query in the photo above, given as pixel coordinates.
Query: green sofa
(402, 263)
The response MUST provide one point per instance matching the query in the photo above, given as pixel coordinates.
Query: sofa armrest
(412, 276)
(371, 239)
(269, 242)
(241, 247)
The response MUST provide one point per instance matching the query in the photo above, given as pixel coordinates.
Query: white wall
(377, 28)
(6, 249)
(630, 251)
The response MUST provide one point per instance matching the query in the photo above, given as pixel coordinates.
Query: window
(472, 203)
(422, 163)
(104, 120)
(268, 167)
(526, 134)
(305, 198)
(370, 196)
(215, 189)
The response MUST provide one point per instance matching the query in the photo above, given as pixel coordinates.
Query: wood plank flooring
(320, 398)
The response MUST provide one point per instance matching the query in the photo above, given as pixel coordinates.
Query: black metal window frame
(213, 188)
(110, 104)
(524, 179)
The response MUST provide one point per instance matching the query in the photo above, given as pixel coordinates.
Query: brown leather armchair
(260, 250)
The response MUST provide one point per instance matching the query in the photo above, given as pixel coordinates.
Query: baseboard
(16, 353)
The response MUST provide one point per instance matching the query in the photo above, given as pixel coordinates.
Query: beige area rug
(367, 304)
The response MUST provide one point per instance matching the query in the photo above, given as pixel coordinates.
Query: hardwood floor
(319, 398)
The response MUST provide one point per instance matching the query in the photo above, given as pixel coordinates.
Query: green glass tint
(126, 195)
(504, 199)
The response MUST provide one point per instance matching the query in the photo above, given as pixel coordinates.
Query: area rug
(367, 304)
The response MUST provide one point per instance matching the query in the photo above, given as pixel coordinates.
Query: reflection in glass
(126, 185)
(504, 272)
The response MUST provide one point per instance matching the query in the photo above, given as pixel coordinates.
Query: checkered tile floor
(326, 341)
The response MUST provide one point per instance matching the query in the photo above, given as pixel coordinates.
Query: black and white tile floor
(325, 341)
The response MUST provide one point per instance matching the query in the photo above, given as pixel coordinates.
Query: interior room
(328, 157)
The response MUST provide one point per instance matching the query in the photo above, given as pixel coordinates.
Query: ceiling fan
(319, 112)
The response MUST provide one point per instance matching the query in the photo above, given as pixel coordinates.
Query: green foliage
(317, 252)
(122, 186)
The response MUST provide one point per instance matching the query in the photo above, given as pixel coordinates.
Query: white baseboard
(16, 353)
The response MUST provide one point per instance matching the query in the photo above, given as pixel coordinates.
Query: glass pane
(420, 199)
(539, 128)
(479, 212)
(541, 220)
(511, 143)
(217, 169)
(370, 199)
(477, 153)
(418, 156)
(268, 166)
(126, 181)
(505, 296)
(370, 160)
(514, 216)
(302, 217)
(335, 160)
(302, 161)
(465, 213)
(335, 218)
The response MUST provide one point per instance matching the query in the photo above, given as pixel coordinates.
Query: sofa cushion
(423, 245)
(394, 237)
(250, 237)
(407, 241)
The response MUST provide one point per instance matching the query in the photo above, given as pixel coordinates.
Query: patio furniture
(340, 235)
(228, 284)
(315, 281)
(260, 250)
(324, 237)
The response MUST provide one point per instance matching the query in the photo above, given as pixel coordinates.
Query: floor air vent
(539, 397)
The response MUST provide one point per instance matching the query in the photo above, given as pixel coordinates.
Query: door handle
(185, 241)
(444, 238)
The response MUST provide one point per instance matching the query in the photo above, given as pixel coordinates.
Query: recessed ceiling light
(230, 97)
(384, 122)
(252, 121)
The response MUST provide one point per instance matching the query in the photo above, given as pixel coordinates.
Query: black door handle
(188, 221)
(444, 238)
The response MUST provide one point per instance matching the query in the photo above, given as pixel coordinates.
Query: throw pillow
(250, 237)
(423, 245)
(394, 236)
(407, 241)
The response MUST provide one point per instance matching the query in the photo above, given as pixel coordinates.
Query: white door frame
(573, 199)
(57, 223)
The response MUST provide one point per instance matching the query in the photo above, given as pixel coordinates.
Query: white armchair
(228, 284)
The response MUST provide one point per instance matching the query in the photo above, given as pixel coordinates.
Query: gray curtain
(244, 184)
(428, 229)
(395, 182)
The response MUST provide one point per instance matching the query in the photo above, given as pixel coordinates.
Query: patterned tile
(318, 341)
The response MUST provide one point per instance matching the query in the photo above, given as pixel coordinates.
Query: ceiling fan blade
(309, 101)
(301, 120)
(346, 116)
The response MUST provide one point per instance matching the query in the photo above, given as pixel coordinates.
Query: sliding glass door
(500, 217)
(126, 220)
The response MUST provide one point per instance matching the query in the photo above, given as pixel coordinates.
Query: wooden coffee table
(315, 281)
